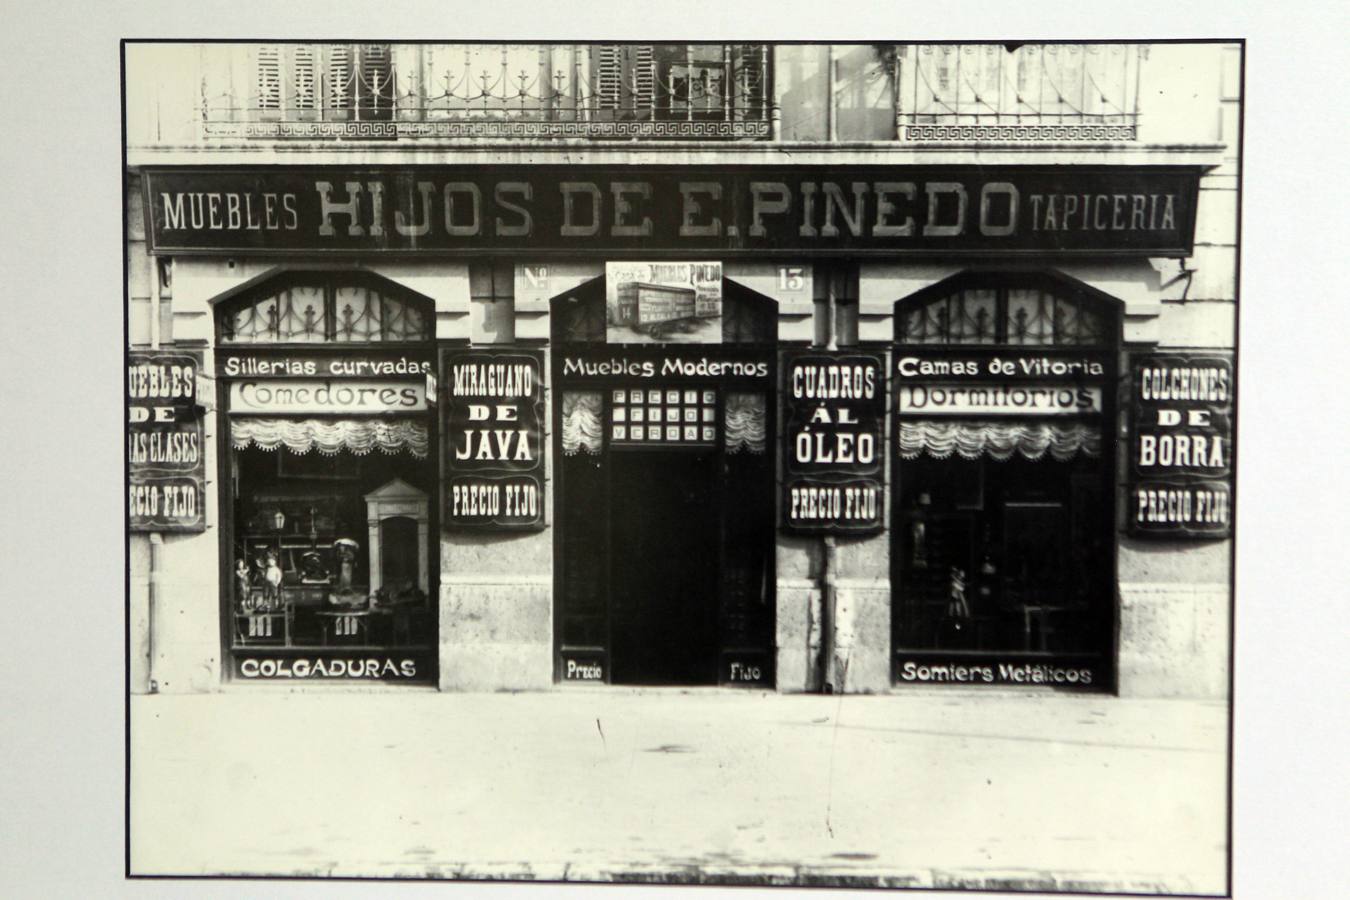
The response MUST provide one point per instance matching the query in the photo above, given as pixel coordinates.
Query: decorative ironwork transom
(326, 309)
(1013, 310)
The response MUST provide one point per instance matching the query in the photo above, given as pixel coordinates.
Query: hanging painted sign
(494, 439)
(166, 476)
(287, 396)
(834, 406)
(1181, 445)
(663, 303)
(740, 210)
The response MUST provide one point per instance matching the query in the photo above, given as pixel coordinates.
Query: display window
(1003, 537)
(664, 539)
(328, 521)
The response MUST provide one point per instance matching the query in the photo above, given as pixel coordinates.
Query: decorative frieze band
(481, 129)
(1018, 133)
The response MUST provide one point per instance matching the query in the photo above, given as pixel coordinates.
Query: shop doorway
(665, 531)
(328, 521)
(1003, 548)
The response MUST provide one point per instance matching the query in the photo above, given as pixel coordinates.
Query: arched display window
(1003, 542)
(664, 484)
(325, 379)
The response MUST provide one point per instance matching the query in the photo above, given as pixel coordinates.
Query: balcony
(365, 92)
(1018, 92)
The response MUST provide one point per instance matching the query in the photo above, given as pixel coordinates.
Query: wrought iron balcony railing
(392, 91)
(1027, 92)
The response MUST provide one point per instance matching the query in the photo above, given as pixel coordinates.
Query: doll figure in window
(272, 575)
(346, 594)
(242, 583)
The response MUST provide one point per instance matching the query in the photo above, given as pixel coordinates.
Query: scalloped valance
(745, 417)
(998, 440)
(582, 431)
(359, 436)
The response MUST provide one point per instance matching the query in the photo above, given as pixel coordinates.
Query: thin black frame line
(824, 42)
(1237, 400)
(126, 475)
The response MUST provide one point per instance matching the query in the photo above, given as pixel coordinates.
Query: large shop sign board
(833, 443)
(1181, 453)
(494, 433)
(726, 211)
(166, 478)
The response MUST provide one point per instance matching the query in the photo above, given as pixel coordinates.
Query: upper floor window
(1018, 91)
(1015, 310)
(707, 82)
(315, 91)
(323, 82)
(315, 309)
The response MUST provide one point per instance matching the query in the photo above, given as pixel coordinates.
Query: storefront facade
(754, 408)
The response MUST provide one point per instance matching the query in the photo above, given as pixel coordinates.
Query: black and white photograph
(682, 463)
(461, 366)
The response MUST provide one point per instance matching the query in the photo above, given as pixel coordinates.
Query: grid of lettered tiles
(665, 417)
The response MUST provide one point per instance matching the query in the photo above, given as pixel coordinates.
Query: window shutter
(267, 63)
(750, 80)
(303, 99)
(608, 76)
(338, 83)
(642, 79)
(376, 100)
(625, 79)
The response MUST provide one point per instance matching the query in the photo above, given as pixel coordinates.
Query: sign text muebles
(166, 478)
(978, 210)
(833, 442)
(494, 439)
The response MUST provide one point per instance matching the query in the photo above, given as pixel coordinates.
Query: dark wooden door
(664, 573)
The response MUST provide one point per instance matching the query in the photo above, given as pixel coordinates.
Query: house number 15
(791, 278)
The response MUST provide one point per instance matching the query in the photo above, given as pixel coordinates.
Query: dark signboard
(978, 210)
(494, 439)
(322, 364)
(678, 365)
(747, 669)
(583, 666)
(1010, 364)
(1181, 448)
(410, 666)
(166, 476)
(1066, 671)
(833, 444)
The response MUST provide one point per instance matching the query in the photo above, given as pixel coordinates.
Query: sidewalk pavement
(977, 790)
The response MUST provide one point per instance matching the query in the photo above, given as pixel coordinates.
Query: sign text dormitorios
(746, 209)
(165, 444)
(833, 444)
(494, 434)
